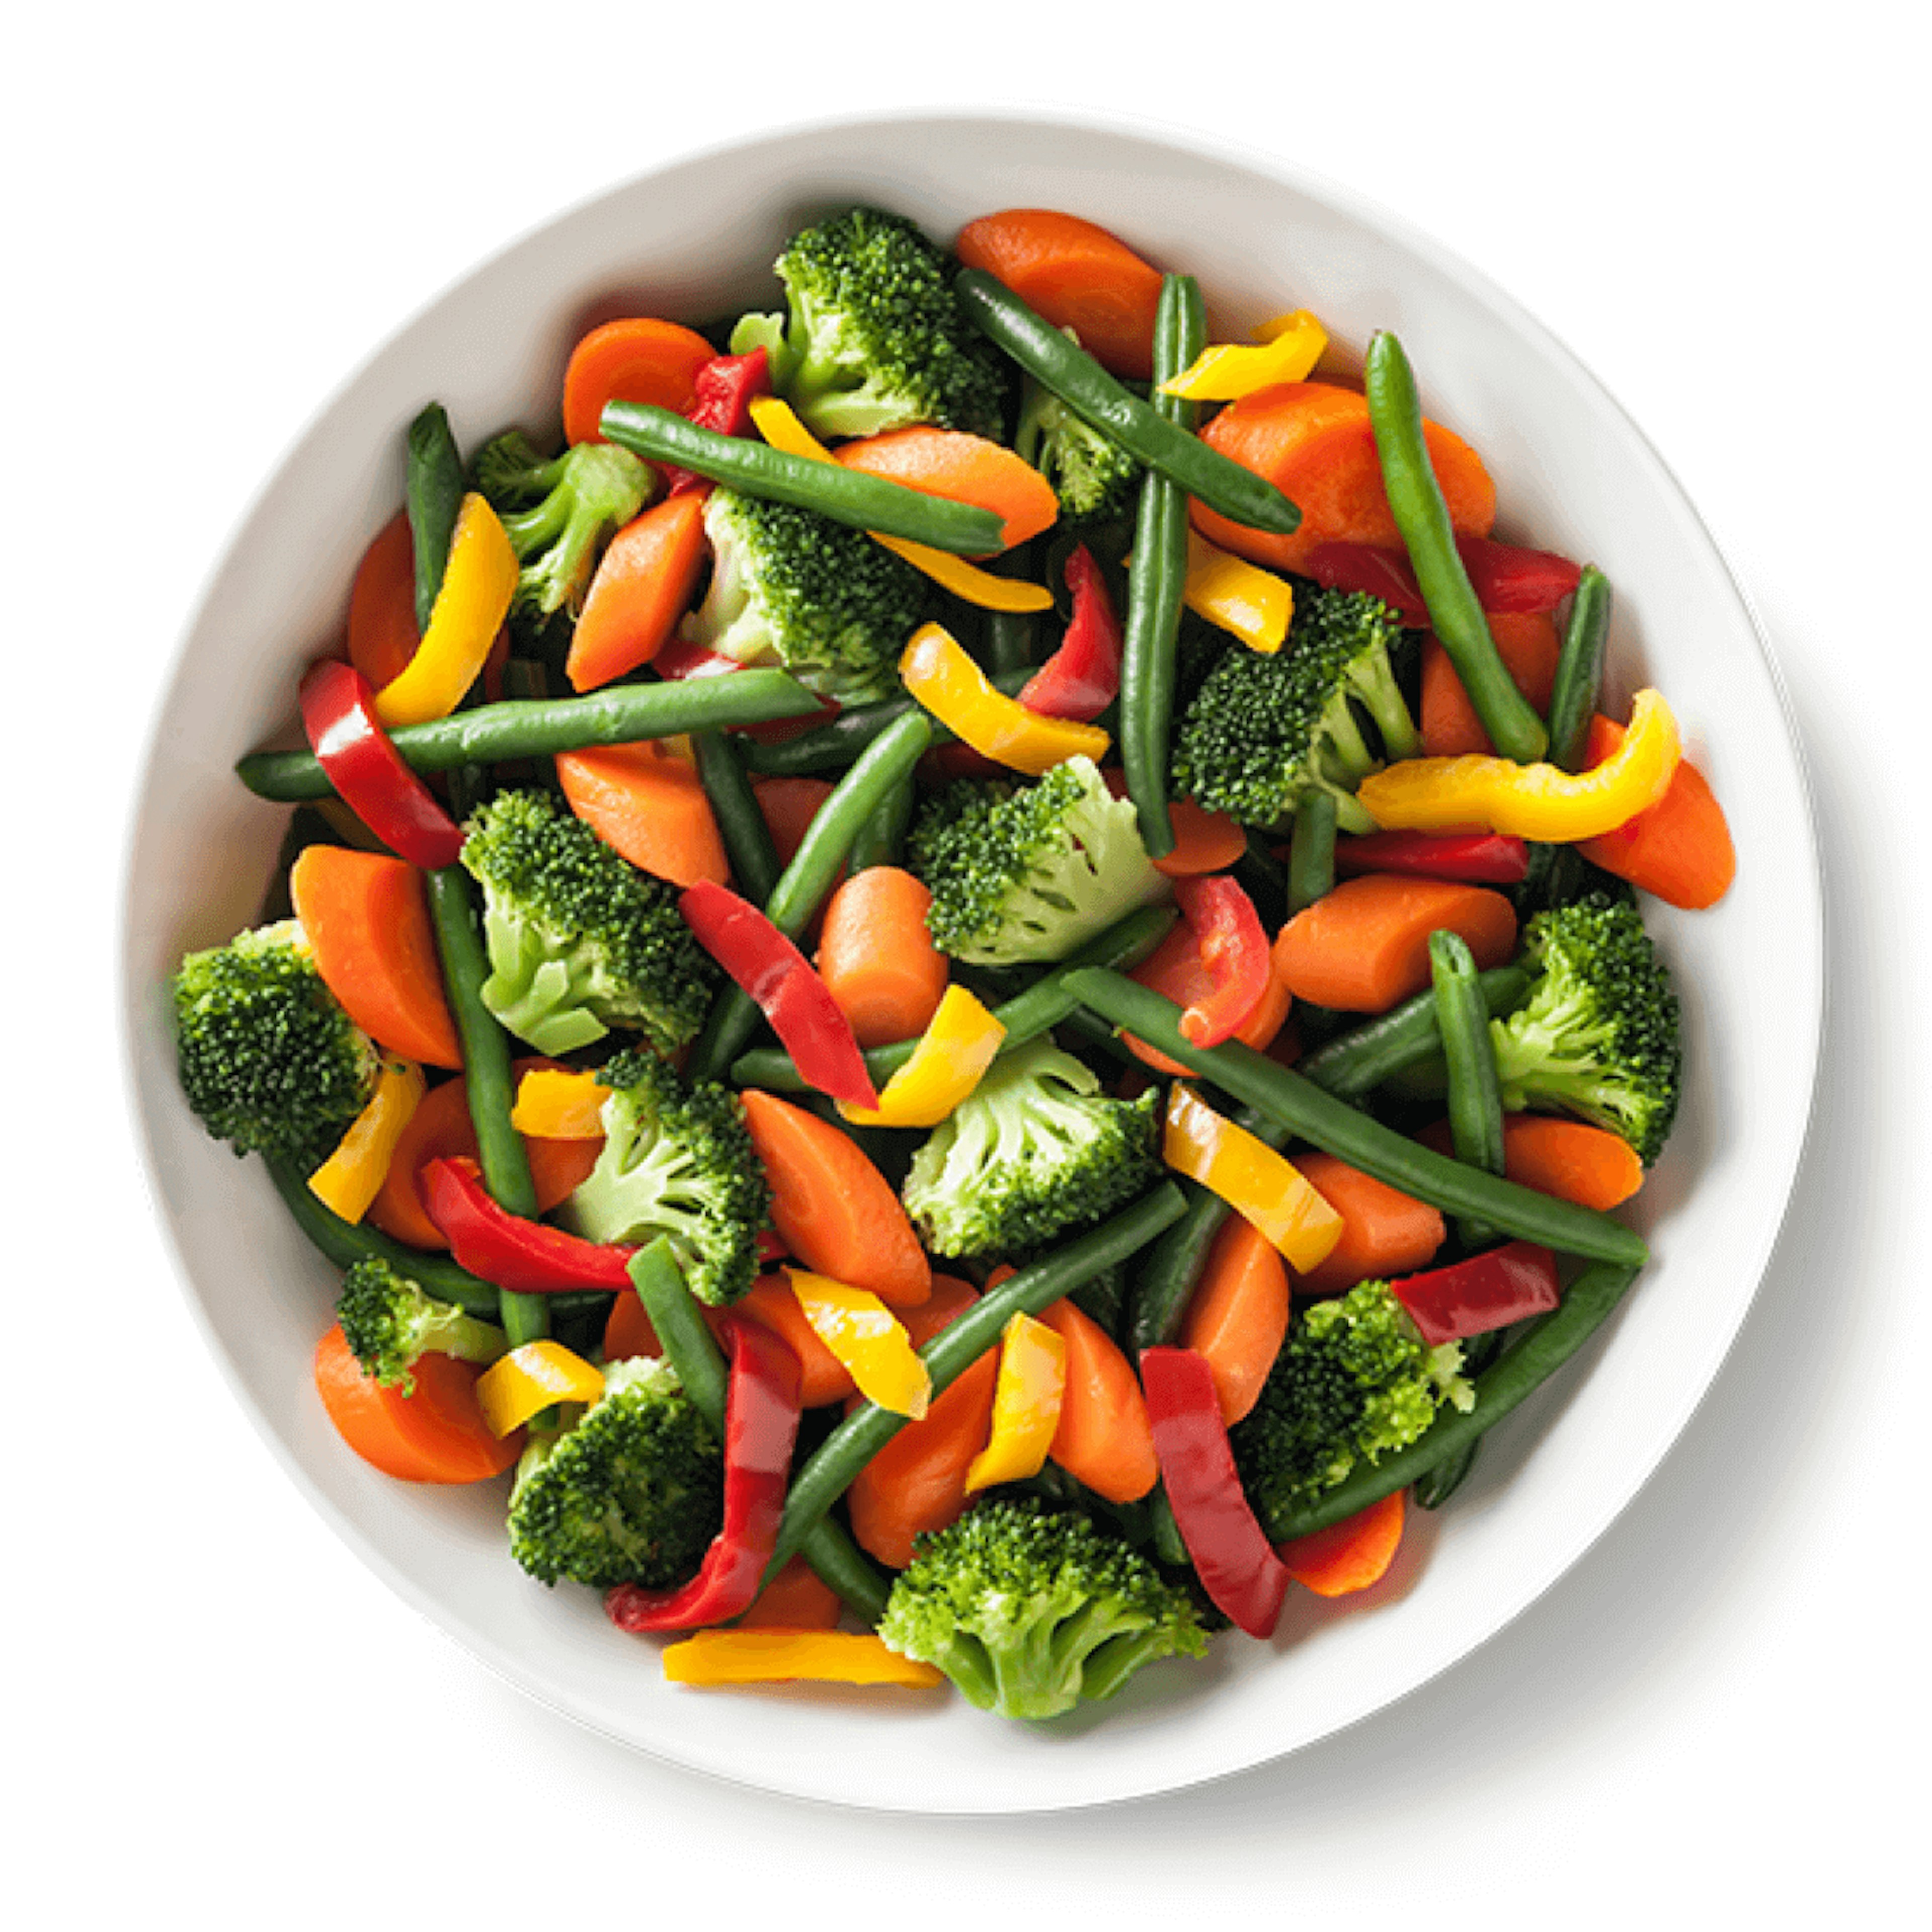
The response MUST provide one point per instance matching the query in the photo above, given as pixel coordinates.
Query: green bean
(1170, 1545)
(1336, 1128)
(846, 496)
(1475, 1109)
(623, 714)
(1010, 640)
(1092, 394)
(1579, 670)
(1366, 1055)
(1311, 853)
(1415, 499)
(831, 1467)
(882, 837)
(432, 491)
(1546, 1343)
(832, 746)
(748, 839)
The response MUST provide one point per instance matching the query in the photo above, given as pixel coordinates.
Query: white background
(213, 214)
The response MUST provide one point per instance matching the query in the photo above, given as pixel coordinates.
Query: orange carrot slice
(1237, 1317)
(644, 584)
(650, 804)
(1384, 1232)
(1350, 1555)
(637, 359)
(877, 958)
(968, 469)
(435, 1434)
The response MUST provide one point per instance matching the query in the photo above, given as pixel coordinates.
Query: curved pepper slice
(1083, 677)
(1537, 801)
(1488, 1291)
(553, 1104)
(1254, 605)
(352, 1176)
(868, 1339)
(786, 1657)
(1265, 1188)
(1233, 948)
(960, 1041)
(529, 1379)
(939, 673)
(1027, 1398)
(1472, 858)
(508, 1252)
(722, 393)
(1288, 348)
(477, 584)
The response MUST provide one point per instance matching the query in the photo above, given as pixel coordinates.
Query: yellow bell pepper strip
(352, 1176)
(1026, 1404)
(1540, 801)
(1253, 604)
(868, 1339)
(469, 612)
(553, 1106)
(959, 1043)
(529, 1379)
(715, 1657)
(1265, 1188)
(1290, 347)
(939, 673)
(779, 425)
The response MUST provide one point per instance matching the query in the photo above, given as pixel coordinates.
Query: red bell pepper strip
(524, 1256)
(338, 710)
(776, 976)
(679, 659)
(1475, 858)
(1237, 1566)
(1488, 1291)
(725, 386)
(1381, 573)
(1507, 578)
(761, 1411)
(1234, 950)
(1083, 677)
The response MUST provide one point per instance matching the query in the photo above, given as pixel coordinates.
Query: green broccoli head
(791, 588)
(677, 1161)
(1354, 1378)
(579, 940)
(1027, 873)
(633, 1493)
(559, 512)
(1034, 1149)
(1029, 1610)
(1096, 480)
(1264, 731)
(268, 1057)
(390, 1323)
(1600, 1034)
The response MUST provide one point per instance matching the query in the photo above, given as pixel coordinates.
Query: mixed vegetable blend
(971, 984)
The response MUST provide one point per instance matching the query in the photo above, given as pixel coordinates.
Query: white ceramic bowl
(1574, 474)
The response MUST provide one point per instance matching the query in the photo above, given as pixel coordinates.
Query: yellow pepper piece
(352, 1176)
(782, 1657)
(1254, 603)
(1265, 1188)
(1537, 802)
(469, 611)
(868, 1339)
(960, 1041)
(1290, 346)
(509, 1392)
(553, 1105)
(778, 423)
(939, 674)
(1026, 1404)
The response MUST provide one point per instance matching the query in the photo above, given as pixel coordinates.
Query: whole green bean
(1579, 670)
(623, 714)
(1311, 852)
(882, 837)
(433, 492)
(1475, 1108)
(1138, 427)
(1336, 1128)
(748, 839)
(1366, 1055)
(833, 745)
(846, 496)
(1415, 500)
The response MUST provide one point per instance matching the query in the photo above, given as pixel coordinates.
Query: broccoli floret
(677, 1161)
(1096, 480)
(390, 1323)
(1599, 1035)
(1026, 873)
(1354, 1378)
(632, 1493)
(792, 588)
(1035, 1149)
(558, 512)
(1264, 731)
(1029, 1610)
(579, 940)
(876, 338)
(268, 1057)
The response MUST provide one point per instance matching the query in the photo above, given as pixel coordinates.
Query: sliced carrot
(627, 1330)
(644, 584)
(823, 1377)
(1312, 441)
(1680, 849)
(382, 633)
(435, 1434)
(1350, 1555)
(649, 803)
(1365, 945)
(835, 1211)
(795, 1599)
(638, 359)
(1076, 275)
(968, 469)
(1384, 1232)
(877, 958)
(1569, 1158)
(1175, 967)
(1237, 1317)
(1528, 646)
(1104, 1438)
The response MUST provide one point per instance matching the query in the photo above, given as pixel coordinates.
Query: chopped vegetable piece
(528, 1379)
(741, 1656)
(1027, 1399)
(1233, 954)
(939, 673)
(871, 1342)
(960, 1042)
(554, 1104)
(1506, 1285)
(524, 1256)
(477, 586)
(1290, 345)
(1083, 677)
(352, 1177)
(1254, 605)
(1262, 1186)
(1350, 1555)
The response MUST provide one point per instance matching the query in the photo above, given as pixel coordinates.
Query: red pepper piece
(1488, 1291)
(725, 386)
(1237, 1566)
(761, 1411)
(1083, 677)
(338, 710)
(773, 972)
(524, 1256)
(1234, 950)
(1476, 858)
(1508, 579)
(679, 659)
(1381, 573)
